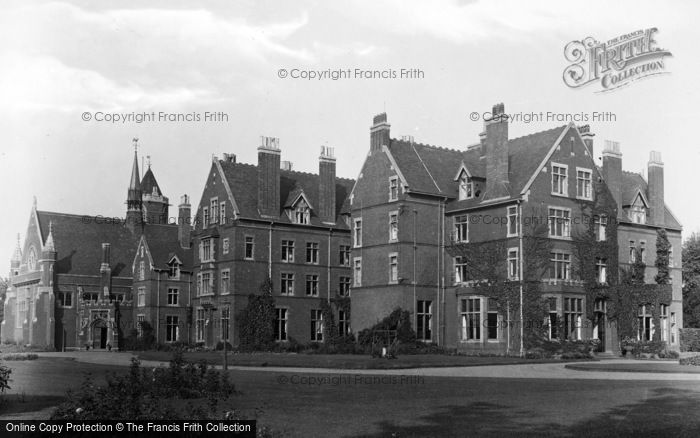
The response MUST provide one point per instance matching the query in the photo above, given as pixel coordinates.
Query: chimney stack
(379, 133)
(269, 177)
(105, 270)
(612, 171)
(655, 182)
(587, 136)
(106, 250)
(184, 219)
(496, 153)
(326, 185)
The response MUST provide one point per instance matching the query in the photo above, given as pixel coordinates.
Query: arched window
(31, 259)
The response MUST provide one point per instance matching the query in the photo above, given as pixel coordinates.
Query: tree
(691, 281)
(663, 251)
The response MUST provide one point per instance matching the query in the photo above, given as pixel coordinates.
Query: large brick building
(399, 237)
(71, 281)
(415, 205)
(268, 221)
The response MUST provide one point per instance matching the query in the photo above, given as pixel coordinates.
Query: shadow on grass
(665, 412)
(18, 403)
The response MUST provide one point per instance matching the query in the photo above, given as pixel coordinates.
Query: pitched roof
(632, 183)
(431, 169)
(148, 182)
(78, 241)
(243, 180)
(163, 244)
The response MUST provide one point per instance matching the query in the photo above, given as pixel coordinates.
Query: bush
(220, 346)
(695, 361)
(4, 378)
(648, 347)
(21, 356)
(567, 349)
(669, 354)
(151, 394)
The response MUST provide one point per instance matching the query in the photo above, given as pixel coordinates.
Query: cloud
(60, 56)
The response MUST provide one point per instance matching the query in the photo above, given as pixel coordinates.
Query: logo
(615, 63)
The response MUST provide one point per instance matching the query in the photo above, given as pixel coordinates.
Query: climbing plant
(256, 322)
(663, 252)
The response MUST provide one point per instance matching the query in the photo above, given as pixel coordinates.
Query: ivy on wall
(256, 322)
(333, 339)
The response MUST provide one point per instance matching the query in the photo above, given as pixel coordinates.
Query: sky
(64, 62)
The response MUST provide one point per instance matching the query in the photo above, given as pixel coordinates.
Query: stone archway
(99, 334)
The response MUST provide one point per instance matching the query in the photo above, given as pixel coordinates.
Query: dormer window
(637, 211)
(174, 270)
(302, 213)
(638, 214)
(466, 187)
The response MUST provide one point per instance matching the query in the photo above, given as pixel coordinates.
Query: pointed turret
(49, 245)
(154, 203)
(16, 259)
(134, 211)
(48, 258)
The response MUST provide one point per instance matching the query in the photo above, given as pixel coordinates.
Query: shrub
(669, 354)
(695, 360)
(150, 394)
(4, 378)
(648, 347)
(21, 356)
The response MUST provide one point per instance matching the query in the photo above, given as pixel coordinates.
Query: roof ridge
(537, 133)
(431, 146)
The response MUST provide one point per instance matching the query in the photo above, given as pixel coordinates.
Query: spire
(49, 246)
(134, 200)
(135, 182)
(17, 255)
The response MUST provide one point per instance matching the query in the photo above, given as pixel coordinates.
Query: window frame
(562, 180)
(394, 226)
(173, 297)
(461, 228)
(393, 188)
(513, 274)
(553, 222)
(513, 221)
(312, 285)
(317, 325)
(225, 274)
(172, 322)
(248, 242)
(588, 171)
(424, 320)
(357, 232)
(357, 271)
(393, 267)
(287, 283)
(312, 253)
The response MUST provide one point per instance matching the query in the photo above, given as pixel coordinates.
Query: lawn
(636, 367)
(299, 404)
(340, 361)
